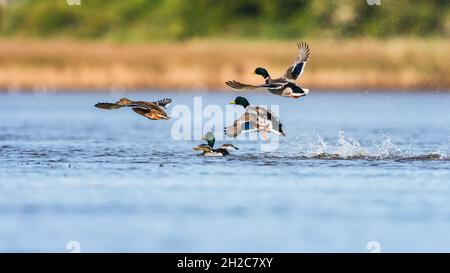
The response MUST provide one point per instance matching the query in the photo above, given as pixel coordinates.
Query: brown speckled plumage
(151, 110)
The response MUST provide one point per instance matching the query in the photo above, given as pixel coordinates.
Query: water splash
(351, 149)
(317, 147)
(387, 149)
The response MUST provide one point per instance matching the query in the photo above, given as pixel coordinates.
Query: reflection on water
(354, 168)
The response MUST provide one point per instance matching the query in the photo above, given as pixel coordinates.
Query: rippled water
(354, 168)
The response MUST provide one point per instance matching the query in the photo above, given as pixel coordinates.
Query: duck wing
(142, 104)
(228, 146)
(248, 122)
(296, 69)
(221, 151)
(108, 106)
(235, 85)
(145, 104)
(163, 103)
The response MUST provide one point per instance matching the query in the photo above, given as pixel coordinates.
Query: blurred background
(199, 44)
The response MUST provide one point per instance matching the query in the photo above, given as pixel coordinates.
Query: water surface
(354, 168)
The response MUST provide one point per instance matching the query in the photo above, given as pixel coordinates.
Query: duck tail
(298, 91)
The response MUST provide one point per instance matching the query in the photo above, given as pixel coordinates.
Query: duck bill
(232, 102)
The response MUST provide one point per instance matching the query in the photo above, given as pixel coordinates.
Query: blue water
(354, 168)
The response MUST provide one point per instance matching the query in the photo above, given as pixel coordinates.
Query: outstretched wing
(235, 85)
(246, 123)
(296, 69)
(108, 106)
(163, 103)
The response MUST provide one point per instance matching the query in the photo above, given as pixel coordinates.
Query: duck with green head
(285, 85)
(254, 119)
(208, 149)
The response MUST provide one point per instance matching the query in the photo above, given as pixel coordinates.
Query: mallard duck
(208, 150)
(151, 110)
(285, 85)
(255, 119)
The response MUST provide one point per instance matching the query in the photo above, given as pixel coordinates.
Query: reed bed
(394, 64)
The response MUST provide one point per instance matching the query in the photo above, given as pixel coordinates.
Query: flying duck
(255, 119)
(151, 110)
(285, 85)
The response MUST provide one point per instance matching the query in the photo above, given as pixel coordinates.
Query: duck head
(210, 138)
(262, 72)
(240, 101)
(124, 101)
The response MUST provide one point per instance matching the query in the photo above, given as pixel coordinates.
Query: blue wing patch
(246, 126)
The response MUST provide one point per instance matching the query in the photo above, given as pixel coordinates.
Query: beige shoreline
(398, 64)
